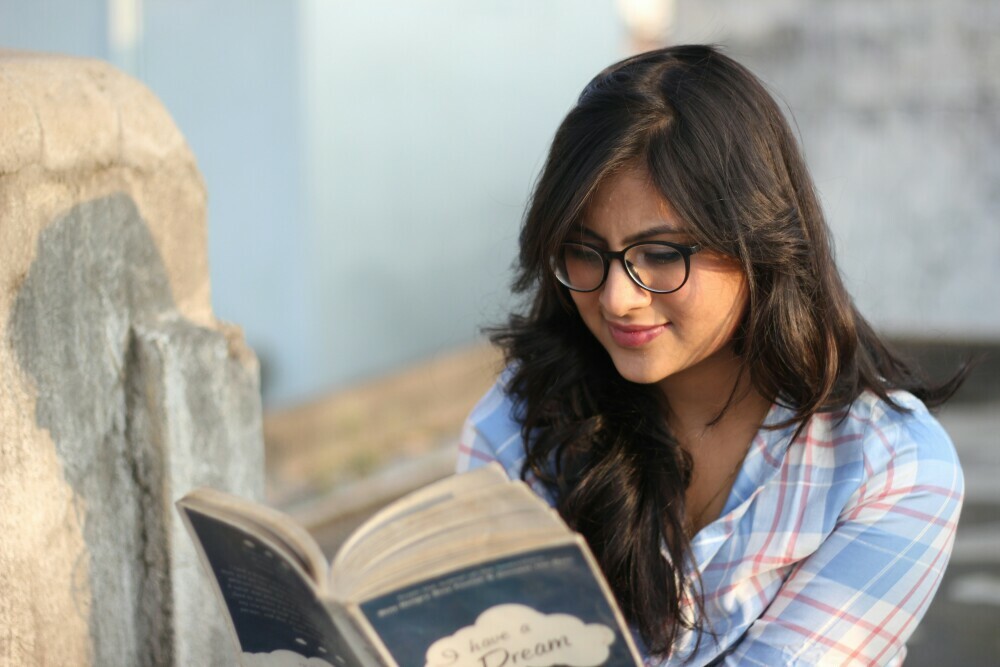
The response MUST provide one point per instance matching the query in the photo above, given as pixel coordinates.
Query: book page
(453, 549)
(274, 609)
(421, 501)
(474, 511)
(544, 608)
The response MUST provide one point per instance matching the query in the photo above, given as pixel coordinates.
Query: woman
(693, 389)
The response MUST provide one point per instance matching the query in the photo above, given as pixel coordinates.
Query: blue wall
(427, 123)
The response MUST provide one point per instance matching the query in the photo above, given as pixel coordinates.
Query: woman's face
(655, 337)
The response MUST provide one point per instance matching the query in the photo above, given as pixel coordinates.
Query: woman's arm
(860, 595)
(474, 450)
(492, 433)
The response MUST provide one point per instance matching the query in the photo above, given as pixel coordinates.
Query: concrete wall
(227, 70)
(119, 391)
(898, 106)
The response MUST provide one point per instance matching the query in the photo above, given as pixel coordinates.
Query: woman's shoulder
(492, 431)
(903, 440)
(905, 427)
(497, 412)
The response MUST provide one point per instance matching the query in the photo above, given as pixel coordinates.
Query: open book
(471, 571)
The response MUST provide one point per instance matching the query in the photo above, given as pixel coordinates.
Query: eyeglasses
(658, 266)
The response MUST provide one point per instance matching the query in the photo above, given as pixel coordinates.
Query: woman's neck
(716, 445)
(697, 396)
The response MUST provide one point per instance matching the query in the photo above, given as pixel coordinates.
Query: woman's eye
(655, 257)
(582, 255)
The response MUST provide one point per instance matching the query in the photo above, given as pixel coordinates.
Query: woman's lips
(633, 336)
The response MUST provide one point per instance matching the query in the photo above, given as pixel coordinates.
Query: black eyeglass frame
(608, 255)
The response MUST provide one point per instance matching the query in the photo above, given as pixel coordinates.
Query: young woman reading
(691, 386)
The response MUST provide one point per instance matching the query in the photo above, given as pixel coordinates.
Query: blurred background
(367, 163)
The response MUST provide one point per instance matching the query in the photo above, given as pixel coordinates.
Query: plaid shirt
(828, 550)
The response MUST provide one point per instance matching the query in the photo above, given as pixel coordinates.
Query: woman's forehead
(627, 201)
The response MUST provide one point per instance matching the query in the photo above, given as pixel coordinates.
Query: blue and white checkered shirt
(828, 550)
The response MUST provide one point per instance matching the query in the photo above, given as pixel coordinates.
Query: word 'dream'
(513, 635)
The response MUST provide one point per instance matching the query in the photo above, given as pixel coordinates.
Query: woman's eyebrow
(638, 236)
(648, 233)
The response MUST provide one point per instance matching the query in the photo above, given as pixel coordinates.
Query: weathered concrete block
(118, 389)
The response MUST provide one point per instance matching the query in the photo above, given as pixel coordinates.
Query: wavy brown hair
(718, 148)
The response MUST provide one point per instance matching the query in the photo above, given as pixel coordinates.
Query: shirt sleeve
(474, 449)
(860, 595)
(492, 433)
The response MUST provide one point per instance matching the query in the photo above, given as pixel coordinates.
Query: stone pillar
(119, 391)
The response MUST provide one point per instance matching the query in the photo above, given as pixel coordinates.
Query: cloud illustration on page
(514, 634)
(281, 658)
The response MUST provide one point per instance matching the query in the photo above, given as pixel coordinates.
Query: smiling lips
(634, 336)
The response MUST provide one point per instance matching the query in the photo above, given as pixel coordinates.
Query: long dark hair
(718, 148)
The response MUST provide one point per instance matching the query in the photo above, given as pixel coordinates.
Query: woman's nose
(620, 294)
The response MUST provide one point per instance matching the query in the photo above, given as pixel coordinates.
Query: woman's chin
(639, 373)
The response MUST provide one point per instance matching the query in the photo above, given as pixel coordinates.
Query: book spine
(365, 651)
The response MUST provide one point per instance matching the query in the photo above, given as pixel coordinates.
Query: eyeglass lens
(654, 266)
